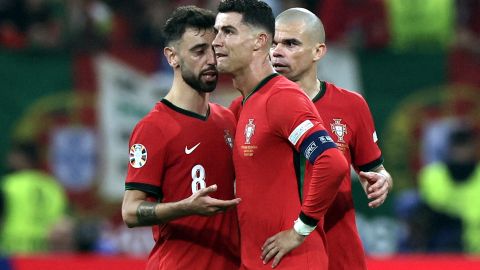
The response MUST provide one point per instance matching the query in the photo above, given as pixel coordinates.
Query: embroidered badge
(339, 129)
(138, 155)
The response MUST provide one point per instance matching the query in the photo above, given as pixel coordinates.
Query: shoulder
(282, 87)
(349, 98)
(222, 112)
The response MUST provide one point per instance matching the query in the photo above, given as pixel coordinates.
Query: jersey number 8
(198, 178)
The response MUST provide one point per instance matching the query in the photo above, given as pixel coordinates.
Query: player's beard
(195, 81)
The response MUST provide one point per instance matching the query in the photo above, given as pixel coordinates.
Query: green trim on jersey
(259, 85)
(299, 162)
(321, 93)
(186, 112)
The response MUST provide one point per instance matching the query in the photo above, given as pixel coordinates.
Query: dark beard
(196, 82)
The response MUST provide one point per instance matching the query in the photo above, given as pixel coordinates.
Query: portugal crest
(228, 138)
(249, 131)
(339, 129)
(138, 155)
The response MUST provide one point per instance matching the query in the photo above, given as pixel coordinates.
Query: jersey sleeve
(295, 117)
(146, 159)
(366, 154)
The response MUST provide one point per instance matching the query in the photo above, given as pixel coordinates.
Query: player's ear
(261, 41)
(319, 51)
(171, 56)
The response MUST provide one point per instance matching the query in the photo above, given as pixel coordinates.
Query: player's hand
(376, 187)
(279, 245)
(200, 203)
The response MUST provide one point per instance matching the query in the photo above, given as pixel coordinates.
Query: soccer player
(181, 158)
(277, 121)
(298, 44)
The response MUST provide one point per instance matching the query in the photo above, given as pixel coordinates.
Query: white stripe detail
(299, 131)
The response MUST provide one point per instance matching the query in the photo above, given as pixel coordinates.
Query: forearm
(137, 211)
(328, 171)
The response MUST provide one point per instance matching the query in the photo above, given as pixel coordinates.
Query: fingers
(378, 201)
(224, 204)
(206, 191)
(278, 258)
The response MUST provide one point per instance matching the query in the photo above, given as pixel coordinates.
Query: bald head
(312, 25)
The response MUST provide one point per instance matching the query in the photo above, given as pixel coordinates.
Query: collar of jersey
(321, 93)
(259, 85)
(185, 112)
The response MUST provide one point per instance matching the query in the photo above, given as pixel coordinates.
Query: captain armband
(315, 144)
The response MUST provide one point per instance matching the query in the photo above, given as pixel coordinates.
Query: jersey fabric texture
(273, 122)
(176, 152)
(350, 124)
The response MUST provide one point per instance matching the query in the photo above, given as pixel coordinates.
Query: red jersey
(350, 124)
(174, 152)
(271, 127)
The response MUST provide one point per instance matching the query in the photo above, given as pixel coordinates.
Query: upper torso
(185, 152)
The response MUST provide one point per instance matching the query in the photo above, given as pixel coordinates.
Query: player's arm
(329, 166)
(138, 211)
(328, 170)
(375, 179)
(377, 183)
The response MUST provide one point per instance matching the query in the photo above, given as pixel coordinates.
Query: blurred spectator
(464, 58)
(452, 188)
(355, 23)
(26, 23)
(33, 203)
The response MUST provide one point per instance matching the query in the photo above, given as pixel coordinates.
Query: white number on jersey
(198, 178)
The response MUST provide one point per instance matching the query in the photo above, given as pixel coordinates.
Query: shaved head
(313, 27)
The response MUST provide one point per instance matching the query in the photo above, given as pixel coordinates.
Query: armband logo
(325, 139)
(310, 148)
(138, 155)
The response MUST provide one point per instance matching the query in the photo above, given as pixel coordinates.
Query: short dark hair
(184, 17)
(255, 12)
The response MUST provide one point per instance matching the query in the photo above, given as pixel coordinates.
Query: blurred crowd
(447, 186)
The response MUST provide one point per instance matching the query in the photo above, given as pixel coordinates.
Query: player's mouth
(210, 75)
(280, 67)
(220, 55)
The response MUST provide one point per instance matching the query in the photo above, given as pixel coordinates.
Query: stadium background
(76, 75)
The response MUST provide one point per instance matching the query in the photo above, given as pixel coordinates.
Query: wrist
(301, 228)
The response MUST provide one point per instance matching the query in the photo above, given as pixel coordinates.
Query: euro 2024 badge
(249, 131)
(138, 155)
(339, 129)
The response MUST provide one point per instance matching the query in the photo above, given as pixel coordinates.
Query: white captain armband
(302, 228)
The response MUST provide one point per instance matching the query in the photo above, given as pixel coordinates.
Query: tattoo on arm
(146, 213)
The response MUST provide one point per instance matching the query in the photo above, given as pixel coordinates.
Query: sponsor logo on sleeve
(375, 138)
(299, 131)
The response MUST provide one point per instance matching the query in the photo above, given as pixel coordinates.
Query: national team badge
(138, 155)
(228, 138)
(339, 129)
(249, 131)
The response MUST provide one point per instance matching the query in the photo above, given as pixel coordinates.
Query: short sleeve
(292, 115)
(366, 154)
(146, 159)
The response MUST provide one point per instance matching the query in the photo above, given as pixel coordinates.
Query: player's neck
(187, 98)
(310, 85)
(247, 79)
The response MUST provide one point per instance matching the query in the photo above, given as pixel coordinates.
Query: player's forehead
(229, 19)
(193, 37)
(283, 33)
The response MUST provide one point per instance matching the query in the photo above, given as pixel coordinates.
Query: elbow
(129, 218)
